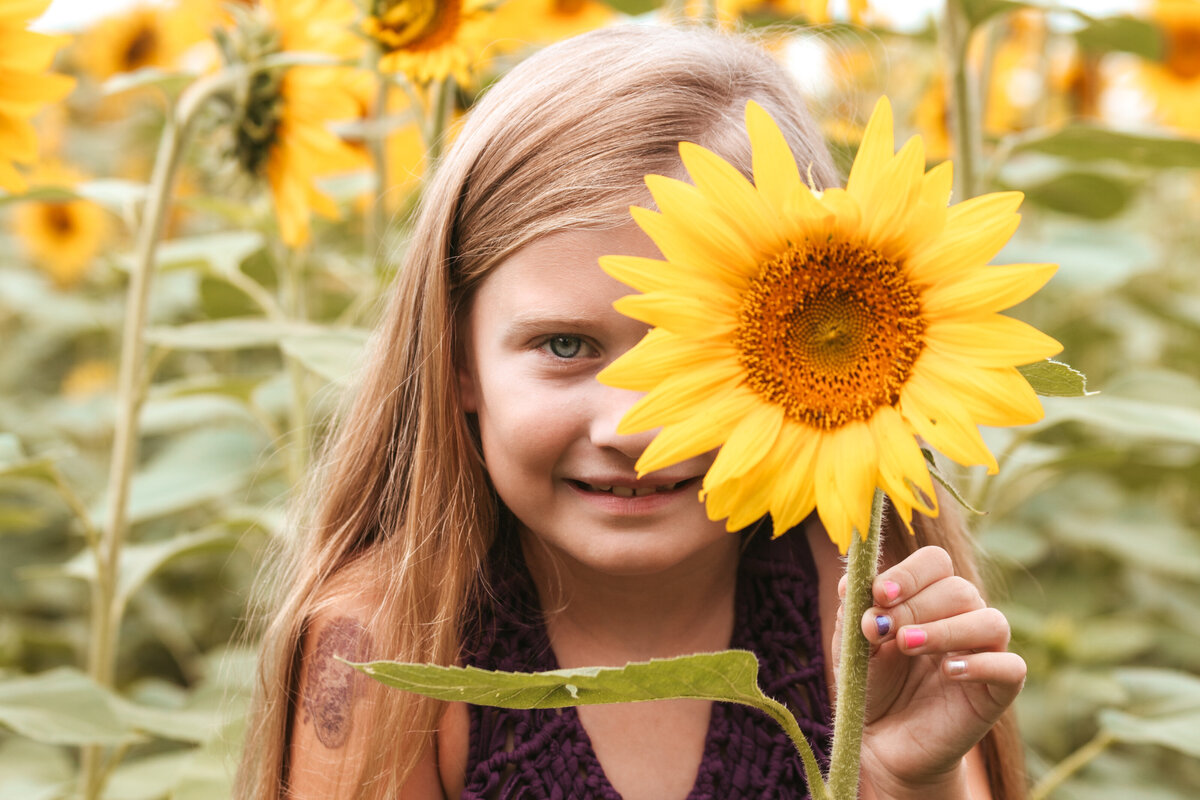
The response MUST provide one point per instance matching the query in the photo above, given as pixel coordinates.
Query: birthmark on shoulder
(327, 697)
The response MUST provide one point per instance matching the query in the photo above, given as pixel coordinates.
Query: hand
(940, 676)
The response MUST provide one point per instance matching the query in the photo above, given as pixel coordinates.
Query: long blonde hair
(400, 499)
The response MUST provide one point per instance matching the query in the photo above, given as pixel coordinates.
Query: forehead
(564, 267)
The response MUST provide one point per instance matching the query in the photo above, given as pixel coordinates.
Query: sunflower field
(202, 204)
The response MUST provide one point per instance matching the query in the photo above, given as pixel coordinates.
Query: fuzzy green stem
(1071, 764)
(817, 789)
(962, 97)
(851, 706)
(106, 610)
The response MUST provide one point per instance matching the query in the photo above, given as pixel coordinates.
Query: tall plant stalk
(105, 610)
(963, 100)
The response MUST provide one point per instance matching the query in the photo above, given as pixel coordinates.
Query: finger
(924, 567)
(1004, 674)
(948, 597)
(982, 629)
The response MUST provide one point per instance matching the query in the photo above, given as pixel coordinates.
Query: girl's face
(539, 328)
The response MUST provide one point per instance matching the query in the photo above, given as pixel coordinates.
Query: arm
(330, 724)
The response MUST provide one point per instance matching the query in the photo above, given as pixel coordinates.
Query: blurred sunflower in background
(430, 40)
(544, 21)
(144, 36)
(1174, 83)
(278, 128)
(61, 237)
(25, 86)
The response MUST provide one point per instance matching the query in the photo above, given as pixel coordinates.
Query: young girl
(478, 507)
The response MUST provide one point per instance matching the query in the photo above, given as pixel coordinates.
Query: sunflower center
(1183, 51)
(59, 220)
(141, 50)
(830, 332)
(568, 8)
(414, 24)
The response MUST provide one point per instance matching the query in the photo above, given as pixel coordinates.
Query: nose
(610, 406)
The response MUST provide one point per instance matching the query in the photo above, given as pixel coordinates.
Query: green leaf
(1146, 540)
(1052, 378)
(14, 463)
(1127, 417)
(170, 82)
(334, 354)
(940, 477)
(1084, 194)
(1120, 34)
(34, 771)
(229, 334)
(118, 196)
(196, 467)
(729, 676)
(147, 778)
(40, 194)
(1088, 143)
(62, 706)
(139, 561)
(633, 7)
(1092, 258)
(1164, 710)
(170, 414)
(222, 252)
(979, 11)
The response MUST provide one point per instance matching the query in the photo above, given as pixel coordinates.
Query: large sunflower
(281, 131)
(1174, 83)
(62, 237)
(25, 86)
(812, 336)
(429, 40)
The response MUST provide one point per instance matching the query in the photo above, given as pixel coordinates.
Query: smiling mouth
(631, 491)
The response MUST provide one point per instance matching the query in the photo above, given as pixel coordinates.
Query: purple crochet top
(546, 754)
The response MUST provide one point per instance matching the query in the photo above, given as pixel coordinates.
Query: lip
(656, 498)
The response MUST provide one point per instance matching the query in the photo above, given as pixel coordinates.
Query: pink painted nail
(891, 589)
(913, 637)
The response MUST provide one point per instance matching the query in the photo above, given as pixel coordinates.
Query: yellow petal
(680, 396)
(943, 422)
(845, 481)
(992, 396)
(659, 355)
(728, 190)
(984, 289)
(687, 316)
(875, 152)
(794, 494)
(679, 243)
(990, 341)
(894, 196)
(705, 430)
(654, 275)
(975, 231)
(900, 461)
(775, 172)
(747, 445)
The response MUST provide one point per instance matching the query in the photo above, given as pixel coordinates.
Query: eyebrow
(524, 325)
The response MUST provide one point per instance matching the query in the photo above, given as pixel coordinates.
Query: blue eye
(564, 346)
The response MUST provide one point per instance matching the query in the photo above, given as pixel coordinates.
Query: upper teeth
(629, 491)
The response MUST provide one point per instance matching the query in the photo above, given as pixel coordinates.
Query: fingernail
(913, 637)
(883, 625)
(957, 667)
(891, 590)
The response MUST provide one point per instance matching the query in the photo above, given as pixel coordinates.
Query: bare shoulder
(334, 706)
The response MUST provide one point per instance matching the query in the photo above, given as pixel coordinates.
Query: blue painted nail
(883, 624)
